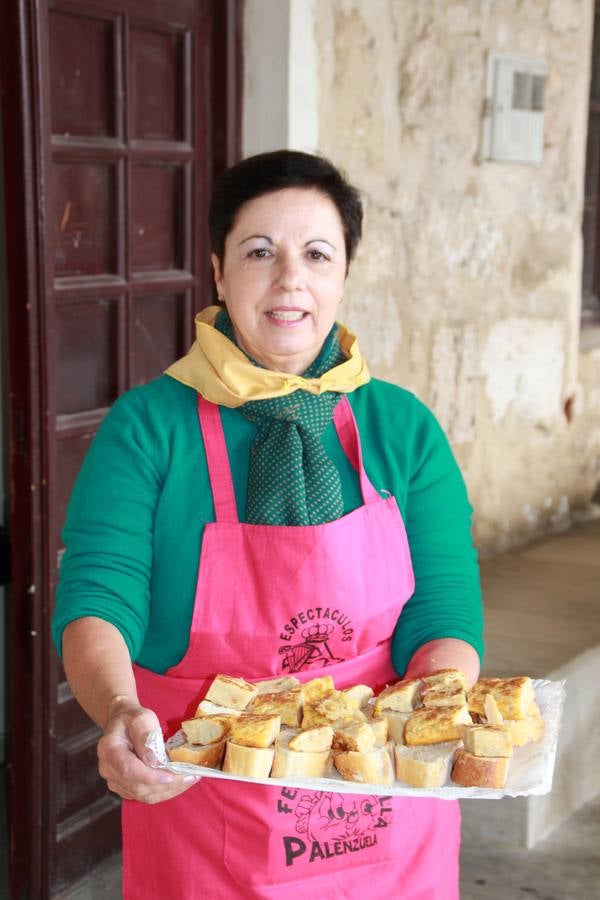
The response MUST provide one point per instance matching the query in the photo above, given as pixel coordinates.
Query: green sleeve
(447, 598)
(106, 567)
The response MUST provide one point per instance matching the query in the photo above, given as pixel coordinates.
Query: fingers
(125, 762)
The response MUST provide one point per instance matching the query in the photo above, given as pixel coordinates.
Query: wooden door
(128, 109)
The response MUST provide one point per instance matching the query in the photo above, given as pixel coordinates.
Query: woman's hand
(125, 762)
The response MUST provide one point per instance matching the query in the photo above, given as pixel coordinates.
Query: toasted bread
(436, 726)
(374, 767)
(479, 771)
(358, 736)
(487, 740)
(287, 704)
(231, 692)
(210, 755)
(402, 696)
(255, 731)
(424, 767)
(361, 693)
(315, 740)
(252, 762)
(207, 729)
(289, 763)
(513, 696)
(275, 685)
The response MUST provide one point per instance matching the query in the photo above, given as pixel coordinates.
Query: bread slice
(289, 763)
(206, 708)
(357, 736)
(232, 692)
(210, 755)
(445, 695)
(425, 767)
(275, 685)
(445, 678)
(374, 767)
(379, 726)
(435, 726)
(487, 740)
(315, 740)
(513, 696)
(207, 729)
(361, 693)
(396, 725)
(531, 728)
(251, 762)
(400, 697)
(287, 704)
(255, 731)
(479, 771)
(317, 688)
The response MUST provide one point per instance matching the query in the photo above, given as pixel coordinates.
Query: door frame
(28, 470)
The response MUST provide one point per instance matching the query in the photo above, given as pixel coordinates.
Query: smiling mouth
(286, 315)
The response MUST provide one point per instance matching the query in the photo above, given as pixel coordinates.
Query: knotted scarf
(291, 479)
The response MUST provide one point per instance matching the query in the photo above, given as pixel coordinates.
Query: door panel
(125, 135)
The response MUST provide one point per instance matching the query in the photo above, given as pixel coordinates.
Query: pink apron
(273, 600)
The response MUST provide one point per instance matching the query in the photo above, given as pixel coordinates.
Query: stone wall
(467, 289)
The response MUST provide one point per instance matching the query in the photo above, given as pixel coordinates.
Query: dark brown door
(125, 110)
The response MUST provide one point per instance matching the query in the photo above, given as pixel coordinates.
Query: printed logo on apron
(310, 636)
(330, 824)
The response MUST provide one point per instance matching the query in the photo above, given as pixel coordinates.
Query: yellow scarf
(221, 373)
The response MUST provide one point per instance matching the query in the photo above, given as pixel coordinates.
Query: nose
(289, 274)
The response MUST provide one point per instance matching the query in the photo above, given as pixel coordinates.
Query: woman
(270, 453)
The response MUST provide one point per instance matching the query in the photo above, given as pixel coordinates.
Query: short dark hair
(276, 171)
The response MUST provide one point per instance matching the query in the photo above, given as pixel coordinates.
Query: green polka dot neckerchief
(291, 479)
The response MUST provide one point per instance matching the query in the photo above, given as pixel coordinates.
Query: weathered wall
(467, 286)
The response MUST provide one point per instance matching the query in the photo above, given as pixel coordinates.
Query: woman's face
(283, 275)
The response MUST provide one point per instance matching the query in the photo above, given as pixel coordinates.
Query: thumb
(141, 725)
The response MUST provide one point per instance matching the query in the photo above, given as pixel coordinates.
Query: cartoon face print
(330, 815)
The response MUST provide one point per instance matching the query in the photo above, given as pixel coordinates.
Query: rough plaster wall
(467, 286)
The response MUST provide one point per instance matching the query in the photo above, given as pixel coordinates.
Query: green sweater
(135, 520)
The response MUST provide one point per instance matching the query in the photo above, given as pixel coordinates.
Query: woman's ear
(216, 264)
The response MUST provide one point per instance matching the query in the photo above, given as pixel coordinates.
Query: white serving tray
(530, 771)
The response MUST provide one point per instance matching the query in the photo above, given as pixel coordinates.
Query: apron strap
(217, 459)
(347, 430)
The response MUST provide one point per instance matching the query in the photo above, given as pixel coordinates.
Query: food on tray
(479, 771)
(253, 762)
(286, 703)
(206, 708)
(210, 756)
(487, 740)
(531, 728)
(362, 693)
(435, 726)
(374, 767)
(314, 740)
(400, 697)
(334, 707)
(289, 763)
(450, 678)
(234, 693)
(357, 736)
(424, 732)
(513, 696)
(427, 766)
(396, 724)
(255, 730)
(446, 695)
(317, 689)
(275, 685)
(207, 729)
